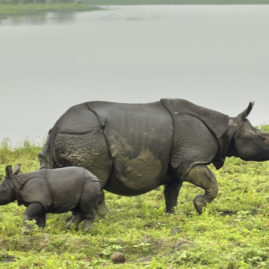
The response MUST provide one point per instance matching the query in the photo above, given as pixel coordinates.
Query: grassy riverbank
(232, 233)
(8, 8)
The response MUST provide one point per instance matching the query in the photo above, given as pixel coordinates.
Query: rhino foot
(202, 177)
(199, 202)
(87, 225)
(75, 219)
(102, 209)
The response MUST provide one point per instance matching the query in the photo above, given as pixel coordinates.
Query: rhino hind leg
(202, 177)
(171, 191)
(88, 217)
(34, 211)
(78, 217)
(87, 224)
(75, 219)
(91, 196)
(44, 156)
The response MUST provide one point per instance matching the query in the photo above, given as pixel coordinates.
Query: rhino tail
(45, 155)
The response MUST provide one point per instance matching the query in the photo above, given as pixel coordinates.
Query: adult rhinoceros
(134, 148)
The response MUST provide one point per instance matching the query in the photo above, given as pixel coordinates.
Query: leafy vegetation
(265, 128)
(233, 231)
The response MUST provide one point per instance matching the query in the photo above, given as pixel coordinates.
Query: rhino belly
(137, 175)
(66, 190)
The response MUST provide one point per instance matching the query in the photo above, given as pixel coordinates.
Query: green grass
(265, 128)
(11, 9)
(233, 232)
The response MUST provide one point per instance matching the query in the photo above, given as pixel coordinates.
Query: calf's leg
(76, 219)
(41, 220)
(202, 177)
(34, 211)
(89, 214)
(101, 207)
(89, 201)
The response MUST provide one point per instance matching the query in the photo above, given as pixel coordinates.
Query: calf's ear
(8, 171)
(16, 169)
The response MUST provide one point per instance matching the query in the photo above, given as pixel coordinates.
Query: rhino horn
(243, 115)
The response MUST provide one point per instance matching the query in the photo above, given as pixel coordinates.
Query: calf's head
(7, 191)
(250, 144)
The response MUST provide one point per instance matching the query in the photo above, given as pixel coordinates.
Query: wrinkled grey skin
(134, 148)
(53, 190)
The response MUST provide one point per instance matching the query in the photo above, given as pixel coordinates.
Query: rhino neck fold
(215, 122)
(226, 145)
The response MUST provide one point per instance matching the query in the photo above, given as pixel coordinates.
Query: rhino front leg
(34, 211)
(41, 220)
(171, 191)
(202, 177)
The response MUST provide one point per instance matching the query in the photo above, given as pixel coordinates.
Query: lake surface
(215, 56)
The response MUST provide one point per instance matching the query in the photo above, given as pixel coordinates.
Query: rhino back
(77, 120)
(139, 139)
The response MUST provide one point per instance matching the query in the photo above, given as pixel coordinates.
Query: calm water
(215, 56)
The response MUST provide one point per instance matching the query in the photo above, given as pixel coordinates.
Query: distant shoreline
(176, 2)
(30, 7)
(7, 10)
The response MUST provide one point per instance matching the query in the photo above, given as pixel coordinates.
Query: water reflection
(39, 19)
(63, 17)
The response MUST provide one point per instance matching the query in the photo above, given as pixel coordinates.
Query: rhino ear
(243, 115)
(16, 169)
(8, 171)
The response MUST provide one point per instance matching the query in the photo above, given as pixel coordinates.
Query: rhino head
(7, 189)
(249, 143)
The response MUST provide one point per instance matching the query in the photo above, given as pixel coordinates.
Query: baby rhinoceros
(55, 191)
